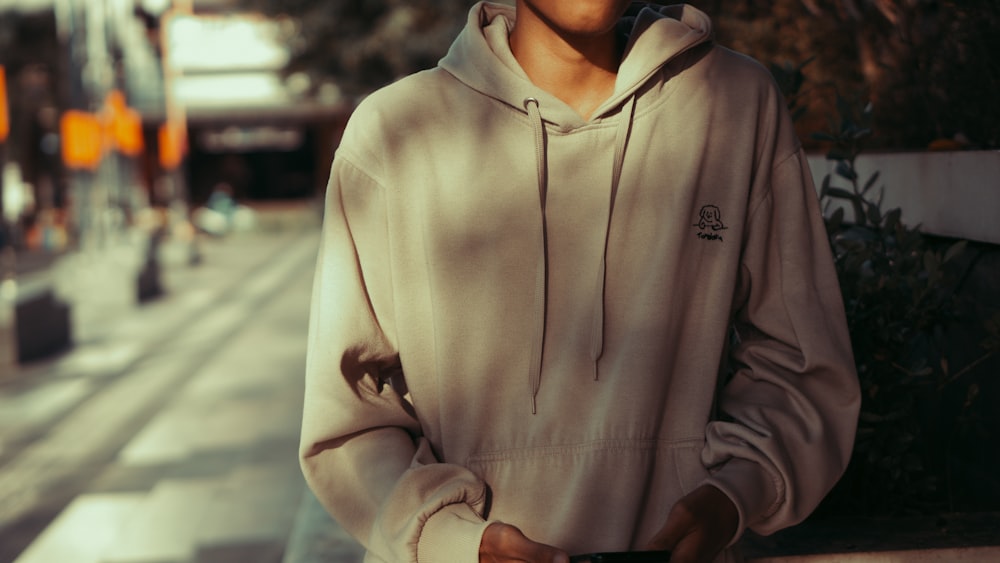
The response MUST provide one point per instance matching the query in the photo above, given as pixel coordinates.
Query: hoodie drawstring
(538, 306)
(541, 270)
(621, 143)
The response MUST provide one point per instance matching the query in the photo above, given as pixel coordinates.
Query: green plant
(899, 295)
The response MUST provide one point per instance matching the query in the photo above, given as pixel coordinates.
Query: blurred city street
(168, 433)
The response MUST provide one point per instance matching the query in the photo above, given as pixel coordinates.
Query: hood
(481, 57)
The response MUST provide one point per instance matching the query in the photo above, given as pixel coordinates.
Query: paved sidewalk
(181, 417)
(317, 538)
(110, 331)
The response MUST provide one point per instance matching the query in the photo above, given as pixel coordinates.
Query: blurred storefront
(73, 157)
(118, 117)
(250, 128)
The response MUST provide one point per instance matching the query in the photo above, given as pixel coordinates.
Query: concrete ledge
(989, 554)
(952, 194)
(958, 537)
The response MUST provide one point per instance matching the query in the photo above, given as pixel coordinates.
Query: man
(574, 295)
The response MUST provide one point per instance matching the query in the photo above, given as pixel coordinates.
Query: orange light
(82, 140)
(4, 114)
(125, 127)
(171, 146)
(128, 134)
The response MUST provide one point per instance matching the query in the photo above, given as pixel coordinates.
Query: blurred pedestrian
(216, 216)
(575, 294)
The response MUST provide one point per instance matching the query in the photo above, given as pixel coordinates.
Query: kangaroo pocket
(604, 495)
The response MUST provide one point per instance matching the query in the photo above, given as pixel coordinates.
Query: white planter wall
(953, 194)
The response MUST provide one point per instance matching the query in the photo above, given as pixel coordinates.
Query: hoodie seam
(606, 121)
(348, 157)
(582, 448)
(455, 499)
(609, 120)
(348, 160)
(755, 204)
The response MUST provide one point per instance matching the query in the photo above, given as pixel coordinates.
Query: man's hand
(503, 543)
(698, 527)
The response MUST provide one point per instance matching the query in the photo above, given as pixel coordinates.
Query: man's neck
(580, 71)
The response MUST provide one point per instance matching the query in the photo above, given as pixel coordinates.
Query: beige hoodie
(558, 293)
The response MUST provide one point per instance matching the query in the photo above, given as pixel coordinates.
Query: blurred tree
(929, 66)
(365, 44)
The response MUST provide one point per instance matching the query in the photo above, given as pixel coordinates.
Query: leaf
(859, 209)
(873, 215)
(892, 219)
(837, 153)
(871, 182)
(846, 171)
(836, 220)
(931, 261)
(840, 193)
(825, 187)
(954, 250)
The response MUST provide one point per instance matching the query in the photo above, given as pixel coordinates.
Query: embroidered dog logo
(710, 223)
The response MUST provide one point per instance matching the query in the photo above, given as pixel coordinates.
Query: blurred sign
(4, 114)
(249, 138)
(171, 141)
(82, 140)
(227, 90)
(224, 63)
(124, 124)
(225, 43)
(27, 6)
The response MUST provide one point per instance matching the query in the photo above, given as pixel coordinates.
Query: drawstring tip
(596, 374)
(534, 409)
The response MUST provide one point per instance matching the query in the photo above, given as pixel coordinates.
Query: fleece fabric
(567, 324)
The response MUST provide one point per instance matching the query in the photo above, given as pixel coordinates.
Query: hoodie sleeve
(791, 406)
(362, 450)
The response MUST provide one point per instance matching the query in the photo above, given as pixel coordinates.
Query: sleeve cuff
(751, 488)
(452, 534)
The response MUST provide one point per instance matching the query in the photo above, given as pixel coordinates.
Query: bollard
(43, 326)
(34, 324)
(148, 284)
